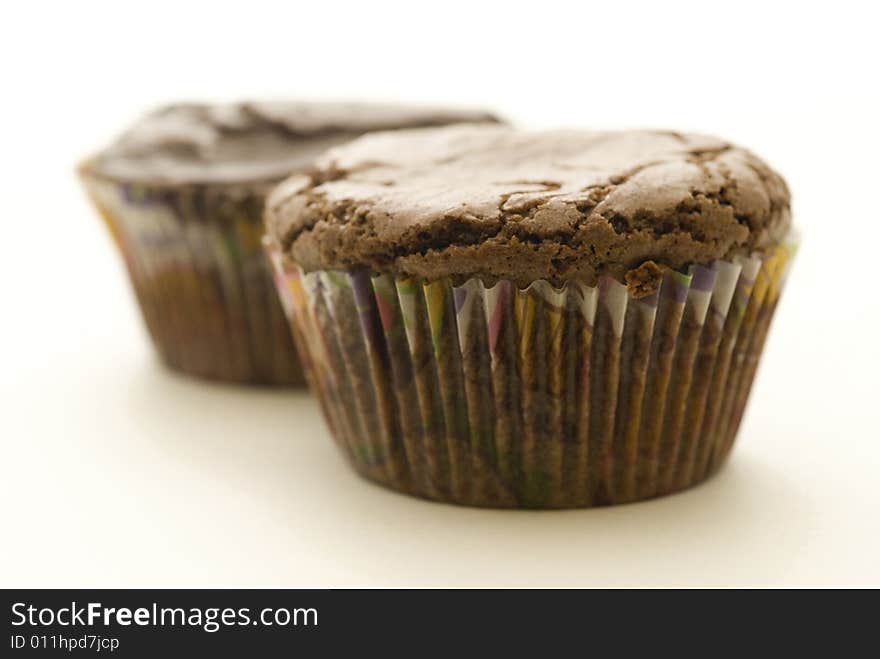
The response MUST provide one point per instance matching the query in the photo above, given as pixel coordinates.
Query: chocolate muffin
(182, 193)
(532, 319)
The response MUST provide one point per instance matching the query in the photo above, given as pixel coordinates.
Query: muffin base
(205, 290)
(533, 398)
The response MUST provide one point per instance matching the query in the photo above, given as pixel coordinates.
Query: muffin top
(249, 142)
(498, 203)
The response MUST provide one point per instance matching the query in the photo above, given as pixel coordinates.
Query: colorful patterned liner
(195, 260)
(534, 398)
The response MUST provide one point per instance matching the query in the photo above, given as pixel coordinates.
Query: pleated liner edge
(536, 397)
(200, 277)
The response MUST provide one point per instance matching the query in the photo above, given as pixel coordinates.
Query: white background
(115, 472)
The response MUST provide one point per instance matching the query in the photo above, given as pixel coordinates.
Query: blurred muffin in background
(182, 193)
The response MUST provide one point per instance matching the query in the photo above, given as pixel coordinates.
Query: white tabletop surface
(115, 472)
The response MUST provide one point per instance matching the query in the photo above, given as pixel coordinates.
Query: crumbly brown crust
(249, 142)
(494, 202)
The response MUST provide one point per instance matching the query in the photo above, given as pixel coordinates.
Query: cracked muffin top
(493, 202)
(251, 141)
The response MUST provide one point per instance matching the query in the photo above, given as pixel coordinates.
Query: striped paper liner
(195, 261)
(537, 397)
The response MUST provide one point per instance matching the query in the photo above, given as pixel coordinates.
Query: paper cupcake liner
(533, 398)
(196, 264)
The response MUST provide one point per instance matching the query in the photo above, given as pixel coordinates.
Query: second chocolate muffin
(182, 194)
(558, 319)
